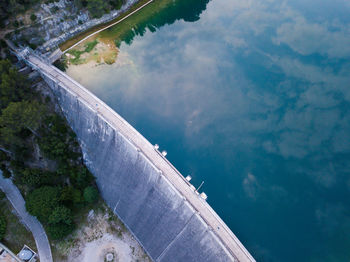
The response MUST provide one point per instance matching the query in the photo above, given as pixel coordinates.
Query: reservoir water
(253, 98)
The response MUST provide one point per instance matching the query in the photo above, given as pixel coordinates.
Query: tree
(41, 202)
(90, 194)
(60, 230)
(116, 4)
(3, 225)
(35, 177)
(60, 222)
(33, 17)
(5, 172)
(80, 177)
(97, 7)
(71, 196)
(13, 86)
(61, 214)
(18, 116)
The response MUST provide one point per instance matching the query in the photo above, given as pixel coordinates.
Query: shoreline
(80, 37)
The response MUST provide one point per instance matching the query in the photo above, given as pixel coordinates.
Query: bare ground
(100, 233)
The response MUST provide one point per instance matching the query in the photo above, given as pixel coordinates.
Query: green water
(253, 97)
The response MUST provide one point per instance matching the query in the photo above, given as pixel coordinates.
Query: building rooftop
(27, 254)
(7, 256)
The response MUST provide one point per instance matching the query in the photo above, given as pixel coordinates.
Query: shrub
(54, 9)
(15, 23)
(3, 225)
(90, 194)
(35, 177)
(3, 43)
(61, 214)
(33, 46)
(59, 231)
(41, 202)
(2, 195)
(61, 65)
(33, 17)
(96, 7)
(71, 196)
(81, 177)
(5, 172)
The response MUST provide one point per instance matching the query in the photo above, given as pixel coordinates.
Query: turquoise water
(253, 97)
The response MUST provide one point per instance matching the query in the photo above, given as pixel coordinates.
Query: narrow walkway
(18, 203)
(108, 26)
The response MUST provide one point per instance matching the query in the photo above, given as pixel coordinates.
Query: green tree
(60, 222)
(41, 202)
(18, 116)
(80, 177)
(5, 172)
(90, 194)
(71, 196)
(13, 86)
(3, 225)
(97, 7)
(33, 17)
(116, 4)
(60, 230)
(61, 214)
(35, 177)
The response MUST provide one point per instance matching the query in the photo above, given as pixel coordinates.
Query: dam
(156, 203)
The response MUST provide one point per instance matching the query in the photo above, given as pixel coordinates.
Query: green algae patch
(73, 56)
(98, 51)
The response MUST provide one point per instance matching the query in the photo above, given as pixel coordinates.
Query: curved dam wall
(146, 192)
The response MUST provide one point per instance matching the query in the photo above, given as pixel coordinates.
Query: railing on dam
(171, 174)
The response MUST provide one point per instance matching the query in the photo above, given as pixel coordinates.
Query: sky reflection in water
(253, 98)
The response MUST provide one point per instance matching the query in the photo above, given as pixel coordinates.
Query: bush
(54, 9)
(3, 156)
(2, 195)
(3, 43)
(5, 172)
(33, 17)
(33, 46)
(61, 214)
(59, 231)
(97, 7)
(81, 177)
(61, 64)
(15, 23)
(35, 177)
(90, 194)
(41, 202)
(71, 196)
(3, 225)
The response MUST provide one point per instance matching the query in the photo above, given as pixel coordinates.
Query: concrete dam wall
(169, 219)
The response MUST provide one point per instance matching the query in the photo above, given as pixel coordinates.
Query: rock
(91, 214)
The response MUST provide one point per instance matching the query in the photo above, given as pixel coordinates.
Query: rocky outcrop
(59, 21)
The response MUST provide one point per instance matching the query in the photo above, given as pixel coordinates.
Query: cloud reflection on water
(260, 84)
